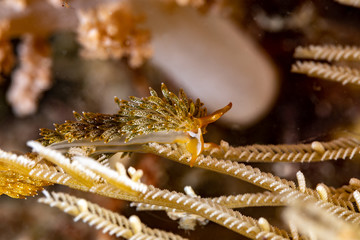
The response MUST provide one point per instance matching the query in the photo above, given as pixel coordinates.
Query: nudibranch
(167, 119)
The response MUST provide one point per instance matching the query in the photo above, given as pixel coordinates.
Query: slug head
(195, 143)
(204, 121)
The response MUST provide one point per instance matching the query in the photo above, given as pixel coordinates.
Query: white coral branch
(33, 76)
(110, 222)
(340, 74)
(328, 52)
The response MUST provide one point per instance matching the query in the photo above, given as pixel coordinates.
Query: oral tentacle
(204, 121)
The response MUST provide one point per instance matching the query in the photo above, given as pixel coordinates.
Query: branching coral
(110, 222)
(109, 32)
(329, 53)
(340, 148)
(79, 168)
(314, 223)
(77, 153)
(32, 77)
(323, 70)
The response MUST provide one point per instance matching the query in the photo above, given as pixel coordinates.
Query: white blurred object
(210, 58)
(204, 54)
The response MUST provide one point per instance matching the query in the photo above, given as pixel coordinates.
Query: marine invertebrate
(170, 119)
(86, 174)
(111, 223)
(330, 53)
(171, 126)
(77, 165)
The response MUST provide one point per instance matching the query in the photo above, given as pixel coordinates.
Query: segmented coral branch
(340, 74)
(84, 176)
(172, 127)
(88, 176)
(214, 212)
(32, 169)
(343, 192)
(160, 197)
(207, 209)
(21, 164)
(265, 180)
(231, 201)
(328, 52)
(189, 221)
(93, 176)
(251, 200)
(17, 185)
(110, 222)
(341, 148)
(40, 170)
(314, 223)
